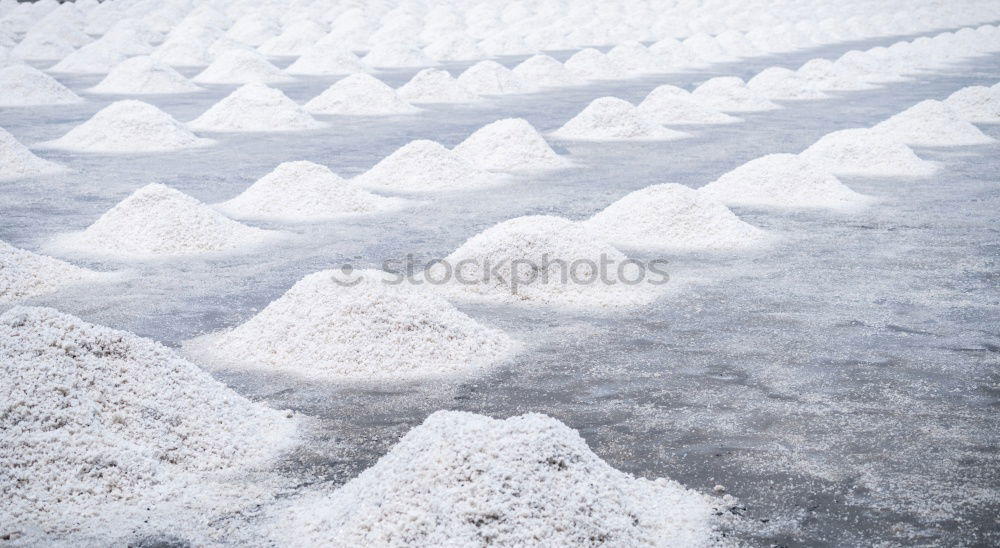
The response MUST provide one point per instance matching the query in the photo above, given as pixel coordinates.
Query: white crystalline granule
(94, 58)
(730, 94)
(671, 216)
(294, 39)
(824, 74)
(782, 83)
(425, 166)
(91, 416)
(240, 66)
(322, 328)
(326, 59)
(591, 64)
(672, 105)
(17, 161)
(492, 78)
(255, 107)
(783, 180)
(461, 479)
(359, 94)
(158, 221)
(932, 123)
(544, 71)
(976, 104)
(864, 152)
(24, 274)
(435, 86)
(395, 54)
(610, 118)
(128, 126)
(304, 191)
(509, 145)
(144, 75)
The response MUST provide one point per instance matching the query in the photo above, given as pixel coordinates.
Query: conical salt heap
(425, 166)
(144, 75)
(24, 274)
(865, 152)
(730, 94)
(669, 105)
(239, 66)
(359, 94)
(255, 107)
(976, 104)
(326, 59)
(492, 78)
(128, 126)
(435, 86)
(16, 161)
(610, 118)
(509, 145)
(932, 123)
(21, 85)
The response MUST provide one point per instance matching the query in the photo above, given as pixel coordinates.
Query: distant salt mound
(144, 75)
(326, 59)
(158, 221)
(104, 417)
(42, 46)
(866, 153)
(295, 39)
(239, 66)
(824, 74)
(254, 29)
(671, 105)
(591, 64)
(304, 191)
(425, 166)
(867, 67)
(730, 94)
(672, 217)
(359, 94)
(635, 58)
(976, 104)
(364, 330)
(24, 274)
(183, 52)
(21, 85)
(456, 47)
(127, 40)
(128, 126)
(395, 54)
(16, 161)
(492, 78)
(784, 181)
(95, 58)
(435, 86)
(255, 107)
(513, 480)
(782, 83)
(932, 123)
(512, 144)
(544, 71)
(610, 118)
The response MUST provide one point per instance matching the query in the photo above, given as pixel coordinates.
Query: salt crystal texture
(238, 66)
(16, 161)
(128, 126)
(544, 71)
(21, 85)
(24, 274)
(591, 64)
(183, 52)
(326, 59)
(253, 29)
(358, 326)
(932, 123)
(359, 94)
(395, 54)
(294, 39)
(976, 104)
(304, 191)
(158, 221)
(458, 47)
(460, 478)
(635, 58)
(425, 166)
(255, 107)
(730, 94)
(784, 181)
(512, 144)
(670, 105)
(95, 58)
(492, 78)
(867, 153)
(782, 83)
(144, 75)
(435, 86)
(672, 217)
(610, 118)
(42, 46)
(825, 74)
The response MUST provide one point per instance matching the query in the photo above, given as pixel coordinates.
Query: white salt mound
(544, 71)
(782, 180)
(670, 217)
(667, 105)
(92, 416)
(591, 64)
(492, 78)
(38, 46)
(128, 126)
(932, 123)
(239, 66)
(782, 83)
(304, 191)
(24, 274)
(730, 94)
(825, 74)
(158, 221)
(326, 59)
(610, 118)
(359, 94)
(144, 75)
(16, 161)
(255, 107)
(461, 479)
(867, 153)
(435, 86)
(395, 54)
(21, 85)
(425, 166)
(976, 104)
(370, 330)
(94, 58)
(509, 145)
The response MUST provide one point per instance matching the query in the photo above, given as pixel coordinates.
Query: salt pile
(782, 83)
(304, 191)
(128, 40)
(359, 94)
(183, 52)
(254, 29)
(295, 39)
(425, 166)
(239, 66)
(24, 274)
(976, 104)
(16, 161)
(492, 78)
(455, 47)
(395, 54)
(825, 74)
(635, 58)
(21, 85)
(932, 123)
(158, 221)
(326, 59)
(128, 126)
(144, 75)
(670, 217)
(435, 86)
(509, 145)
(255, 107)
(730, 94)
(42, 46)
(610, 118)
(461, 479)
(544, 71)
(591, 64)
(92, 418)
(359, 326)
(671, 105)
(867, 67)
(866, 153)
(782, 180)
(95, 58)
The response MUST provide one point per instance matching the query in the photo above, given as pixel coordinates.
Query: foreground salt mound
(785, 181)
(21, 85)
(326, 59)
(932, 123)
(544, 71)
(255, 107)
(359, 94)
(671, 217)
(435, 86)
(730, 94)
(611, 118)
(670, 105)
(240, 66)
(782, 83)
(512, 144)
(158, 221)
(976, 104)
(128, 126)
(92, 416)
(144, 75)
(24, 274)
(359, 326)
(304, 191)
(16, 161)
(867, 153)
(461, 479)
(425, 166)
(492, 78)
(591, 64)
